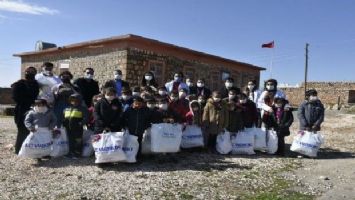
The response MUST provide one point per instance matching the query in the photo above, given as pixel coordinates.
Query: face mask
(177, 79)
(47, 72)
(270, 87)
(89, 76)
(125, 97)
(229, 84)
(278, 105)
(163, 106)
(136, 94)
(150, 105)
(216, 99)
(161, 92)
(182, 95)
(118, 77)
(174, 98)
(242, 101)
(251, 87)
(189, 84)
(109, 98)
(313, 98)
(231, 96)
(148, 78)
(40, 109)
(200, 85)
(201, 101)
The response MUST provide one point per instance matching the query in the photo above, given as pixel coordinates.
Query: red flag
(268, 45)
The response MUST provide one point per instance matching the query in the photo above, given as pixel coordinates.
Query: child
(40, 117)
(153, 109)
(75, 116)
(249, 111)
(108, 112)
(235, 118)
(165, 114)
(126, 99)
(91, 122)
(136, 119)
(202, 101)
(311, 112)
(179, 104)
(215, 118)
(194, 116)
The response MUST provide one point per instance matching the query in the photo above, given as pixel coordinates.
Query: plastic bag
(272, 142)
(192, 137)
(60, 145)
(166, 138)
(130, 147)
(259, 138)
(243, 143)
(146, 142)
(37, 144)
(108, 147)
(307, 143)
(88, 149)
(223, 143)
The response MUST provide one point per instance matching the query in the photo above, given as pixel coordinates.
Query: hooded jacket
(136, 120)
(75, 116)
(311, 114)
(107, 115)
(215, 116)
(194, 118)
(41, 120)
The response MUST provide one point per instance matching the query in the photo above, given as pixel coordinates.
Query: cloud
(22, 7)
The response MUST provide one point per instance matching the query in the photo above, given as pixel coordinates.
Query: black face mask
(30, 76)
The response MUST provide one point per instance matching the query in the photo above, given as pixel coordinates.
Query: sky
(233, 29)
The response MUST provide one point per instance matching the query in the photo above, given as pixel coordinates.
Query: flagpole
(272, 60)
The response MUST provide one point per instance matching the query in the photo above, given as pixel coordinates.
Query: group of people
(44, 100)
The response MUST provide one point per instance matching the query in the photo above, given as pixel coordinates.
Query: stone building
(135, 55)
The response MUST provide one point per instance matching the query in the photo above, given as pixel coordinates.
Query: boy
(235, 118)
(75, 116)
(249, 111)
(311, 112)
(165, 114)
(179, 104)
(126, 99)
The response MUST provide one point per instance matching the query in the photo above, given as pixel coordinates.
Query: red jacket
(180, 107)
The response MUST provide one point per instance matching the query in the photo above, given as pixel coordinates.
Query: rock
(9, 147)
(324, 178)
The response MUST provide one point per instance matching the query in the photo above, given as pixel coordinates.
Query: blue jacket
(310, 114)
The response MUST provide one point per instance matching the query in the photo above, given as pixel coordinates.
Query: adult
(229, 85)
(177, 83)
(117, 82)
(88, 86)
(201, 89)
(271, 92)
(148, 80)
(46, 80)
(62, 92)
(24, 93)
(252, 91)
(311, 112)
(191, 85)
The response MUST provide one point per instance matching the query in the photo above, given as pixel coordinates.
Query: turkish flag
(268, 45)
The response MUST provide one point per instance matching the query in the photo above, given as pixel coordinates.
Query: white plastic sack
(37, 144)
(307, 143)
(192, 137)
(243, 143)
(259, 138)
(88, 149)
(146, 142)
(130, 147)
(166, 138)
(223, 143)
(60, 145)
(272, 142)
(108, 148)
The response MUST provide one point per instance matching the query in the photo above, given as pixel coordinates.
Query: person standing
(24, 93)
(88, 86)
(118, 84)
(149, 81)
(177, 83)
(311, 112)
(228, 86)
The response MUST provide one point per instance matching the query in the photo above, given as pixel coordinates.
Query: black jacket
(107, 115)
(164, 115)
(203, 91)
(24, 93)
(282, 126)
(112, 83)
(136, 120)
(192, 90)
(88, 88)
(235, 121)
(225, 91)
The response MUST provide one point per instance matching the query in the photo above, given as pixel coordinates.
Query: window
(158, 70)
(189, 72)
(63, 67)
(225, 75)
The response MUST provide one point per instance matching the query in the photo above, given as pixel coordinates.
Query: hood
(193, 101)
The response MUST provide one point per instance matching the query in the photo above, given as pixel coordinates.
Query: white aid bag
(192, 137)
(223, 143)
(108, 147)
(60, 145)
(37, 144)
(130, 147)
(146, 142)
(166, 138)
(243, 143)
(88, 149)
(307, 143)
(272, 142)
(259, 138)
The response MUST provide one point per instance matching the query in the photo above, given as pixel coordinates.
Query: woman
(149, 80)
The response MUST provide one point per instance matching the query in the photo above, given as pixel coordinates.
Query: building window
(189, 72)
(158, 70)
(225, 75)
(63, 67)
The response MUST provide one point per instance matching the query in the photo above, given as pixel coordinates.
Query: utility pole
(306, 71)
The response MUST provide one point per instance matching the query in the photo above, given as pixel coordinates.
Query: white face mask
(89, 76)
(242, 101)
(161, 92)
(251, 87)
(125, 97)
(182, 95)
(216, 99)
(201, 101)
(40, 109)
(229, 84)
(231, 96)
(148, 78)
(118, 77)
(200, 85)
(278, 105)
(109, 98)
(150, 105)
(47, 72)
(190, 84)
(270, 87)
(313, 98)
(136, 94)
(163, 106)
(177, 79)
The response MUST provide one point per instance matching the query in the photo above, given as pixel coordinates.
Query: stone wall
(328, 92)
(6, 96)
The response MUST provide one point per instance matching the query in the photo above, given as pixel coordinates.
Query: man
(191, 85)
(46, 80)
(177, 83)
(117, 83)
(311, 112)
(201, 89)
(24, 93)
(88, 86)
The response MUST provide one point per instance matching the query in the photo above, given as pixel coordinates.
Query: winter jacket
(165, 115)
(40, 120)
(24, 93)
(182, 85)
(112, 83)
(311, 114)
(91, 119)
(126, 103)
(180, 107)
(282, 124)
(192, 118)
(215, 116)
(136, 120)
(249, 113)
(108, 115)
(75, 117)
(203, 91)
(235, 123)
(88, 88)
(225, 91)
(155, 116)
(192, 90)
(261, 103)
